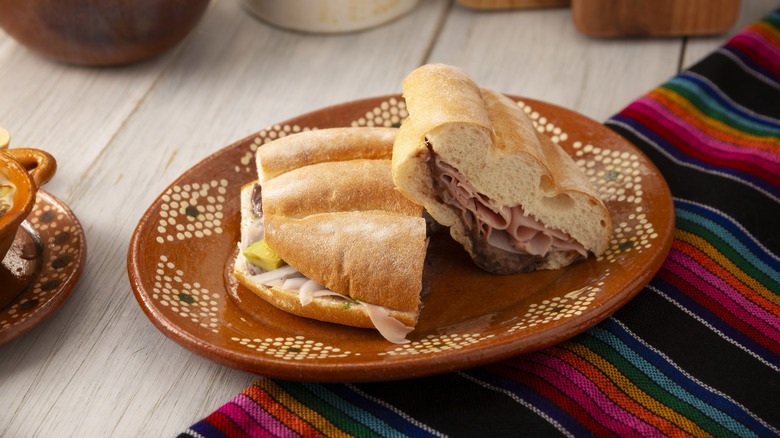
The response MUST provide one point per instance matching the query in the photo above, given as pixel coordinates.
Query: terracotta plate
(180, 259)
(42, 267)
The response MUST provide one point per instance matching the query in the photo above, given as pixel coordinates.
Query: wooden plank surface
(749, 13)
(98, 367)
(538, 54)
(124, 135)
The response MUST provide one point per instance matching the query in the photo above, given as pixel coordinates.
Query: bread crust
(335, 216)
(376, 257)
(335, 186)
(493, 143)
(323, 145)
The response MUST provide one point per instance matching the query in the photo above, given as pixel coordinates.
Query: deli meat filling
(290, 279)
(505, 239)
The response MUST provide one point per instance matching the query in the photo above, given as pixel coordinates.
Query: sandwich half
(513, 198)
(349, 247)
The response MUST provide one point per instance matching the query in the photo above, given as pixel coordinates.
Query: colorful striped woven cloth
(696, 353)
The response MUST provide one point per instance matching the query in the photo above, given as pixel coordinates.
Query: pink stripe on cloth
(241, 421)
(754, 45)
(722, 293)
(704, 143)
(610, 407)
(263, 417)
(584, 392)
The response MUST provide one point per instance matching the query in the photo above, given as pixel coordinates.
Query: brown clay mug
(25, 170)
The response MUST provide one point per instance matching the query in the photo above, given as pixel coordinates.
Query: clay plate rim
(223, 349)
(48, 298)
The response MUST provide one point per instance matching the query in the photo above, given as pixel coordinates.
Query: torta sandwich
(325, 234)
(513, 198)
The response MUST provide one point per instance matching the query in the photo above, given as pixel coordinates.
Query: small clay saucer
(42, 266)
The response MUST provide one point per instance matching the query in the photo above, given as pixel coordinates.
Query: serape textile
(696, 353)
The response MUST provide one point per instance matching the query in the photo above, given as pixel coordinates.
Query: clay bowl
(100, 32)
(26, 170)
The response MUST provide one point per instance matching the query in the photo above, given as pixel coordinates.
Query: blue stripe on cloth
(378, 417)
(357, 413)
(713, 99)
(752, 67)
(206, 429)
(528, 397)
(716, 324)
(732, 234)
(662, 145)
(670, 377)
(746, 66)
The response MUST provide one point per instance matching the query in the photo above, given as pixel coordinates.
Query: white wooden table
(98, 367)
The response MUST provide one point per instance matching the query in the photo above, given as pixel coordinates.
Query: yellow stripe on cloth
(687, 111)
(718, 257)
(635, 392)
(304, 412)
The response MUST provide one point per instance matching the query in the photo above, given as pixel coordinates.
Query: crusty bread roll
(485, 139)
(331, 212)
(324, 308)
(305, 148)
(361, 237)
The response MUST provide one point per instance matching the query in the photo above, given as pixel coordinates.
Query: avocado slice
(261, 255)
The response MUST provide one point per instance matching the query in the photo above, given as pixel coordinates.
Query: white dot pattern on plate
(62, 242)
(389, 113)
(436, 344)
(192, 211)
(188, 299)
(566, 306)
(293, 348)
(617, 177)
(265, 136)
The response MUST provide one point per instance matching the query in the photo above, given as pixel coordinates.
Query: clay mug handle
(39, 164)
(5, 138)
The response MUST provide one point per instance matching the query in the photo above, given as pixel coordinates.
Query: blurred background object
(617, 18)
(512, 4)
(100, 32)
(612, 18)
(328, 16)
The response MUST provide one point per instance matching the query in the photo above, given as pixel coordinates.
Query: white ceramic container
(328, 16)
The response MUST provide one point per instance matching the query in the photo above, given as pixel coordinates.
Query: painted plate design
(42, 267)
(180, 262)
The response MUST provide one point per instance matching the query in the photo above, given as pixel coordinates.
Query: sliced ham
(506, 229)
(392, 329)
(277, 274)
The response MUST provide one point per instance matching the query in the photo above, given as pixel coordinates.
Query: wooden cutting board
(615, 18)
(653, 17)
